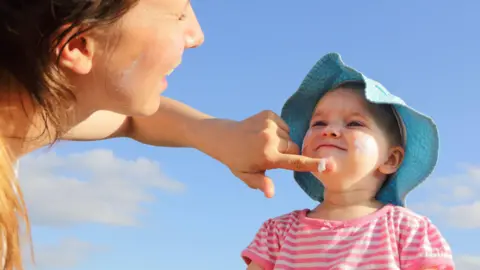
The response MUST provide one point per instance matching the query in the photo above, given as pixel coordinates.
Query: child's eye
(319, 123)
(355, 124)
(182, 17)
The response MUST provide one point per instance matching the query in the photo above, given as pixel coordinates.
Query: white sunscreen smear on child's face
(322, 165)
(366, 145)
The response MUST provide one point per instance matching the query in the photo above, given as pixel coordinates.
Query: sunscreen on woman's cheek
(128, 76)
(366, 145)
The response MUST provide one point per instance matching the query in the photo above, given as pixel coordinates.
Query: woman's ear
(75, 54)
(394, 160)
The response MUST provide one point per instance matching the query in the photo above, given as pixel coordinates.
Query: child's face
(344, 130)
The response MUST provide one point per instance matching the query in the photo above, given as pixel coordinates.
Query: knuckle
(265, 135)
(266, 158)
(265, 124)
(268, 114)
(268, 120)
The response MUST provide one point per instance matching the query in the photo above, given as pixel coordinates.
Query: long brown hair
(30, 31)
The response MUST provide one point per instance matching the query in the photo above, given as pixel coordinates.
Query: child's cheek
(365, 145)
(306, 140)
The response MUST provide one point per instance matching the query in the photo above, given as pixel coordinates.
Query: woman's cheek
(129, 77)
(163, 53)
(157, 59)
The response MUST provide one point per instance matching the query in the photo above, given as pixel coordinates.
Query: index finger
(297, 163)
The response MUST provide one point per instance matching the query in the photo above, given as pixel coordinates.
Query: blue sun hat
(420, 134)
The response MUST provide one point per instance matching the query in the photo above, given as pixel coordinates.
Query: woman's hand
(259, 143)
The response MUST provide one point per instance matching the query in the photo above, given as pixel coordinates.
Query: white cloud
(89, 187)
(454, 199)
(467, 262)
(463, 192)
(65, 254)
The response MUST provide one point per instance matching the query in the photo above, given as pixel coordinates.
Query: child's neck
(346, 205)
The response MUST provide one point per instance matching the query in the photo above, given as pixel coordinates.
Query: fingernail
(322, 165)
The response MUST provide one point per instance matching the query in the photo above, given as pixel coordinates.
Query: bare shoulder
(29, 135)
(25, 129)
(100, 125)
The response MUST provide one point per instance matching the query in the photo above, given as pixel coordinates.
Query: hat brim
(421, 136)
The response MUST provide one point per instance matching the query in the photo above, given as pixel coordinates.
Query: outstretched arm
(173, 125)
(248, 147)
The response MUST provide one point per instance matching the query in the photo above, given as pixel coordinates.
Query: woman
(93, 70)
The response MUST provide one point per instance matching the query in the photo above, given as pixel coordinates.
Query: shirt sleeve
(264, 247)
(424, 247)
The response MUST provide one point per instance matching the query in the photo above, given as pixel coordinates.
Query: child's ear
(394, 160)
(76, 54)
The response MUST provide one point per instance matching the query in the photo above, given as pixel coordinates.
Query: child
(375, 150)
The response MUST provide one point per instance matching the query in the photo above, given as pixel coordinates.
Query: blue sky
(121, 205)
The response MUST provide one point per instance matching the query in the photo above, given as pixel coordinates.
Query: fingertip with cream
(322, 165)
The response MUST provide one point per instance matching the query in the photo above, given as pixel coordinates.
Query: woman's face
(132, 59)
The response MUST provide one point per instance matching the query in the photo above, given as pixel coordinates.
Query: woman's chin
(162, 85)
(147, 108)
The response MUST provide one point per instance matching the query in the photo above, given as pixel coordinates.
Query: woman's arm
(248, 147)
(172, 126)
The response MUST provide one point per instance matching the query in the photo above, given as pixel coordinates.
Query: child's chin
(333, 184)
(326, 176)
(337, 158)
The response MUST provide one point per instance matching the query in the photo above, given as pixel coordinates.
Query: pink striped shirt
(391, 238)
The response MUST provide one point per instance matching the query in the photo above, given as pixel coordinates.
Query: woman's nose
(195, 39)
(194, 35)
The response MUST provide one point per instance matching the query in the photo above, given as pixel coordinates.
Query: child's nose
(331, 131)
